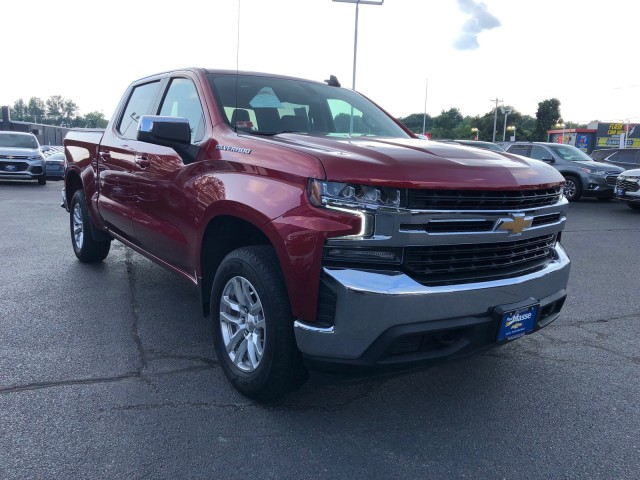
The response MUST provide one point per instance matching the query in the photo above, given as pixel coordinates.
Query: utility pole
(495, 117)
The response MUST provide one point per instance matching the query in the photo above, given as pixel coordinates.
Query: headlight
(35, 157)
(323, 193)
(592, 171)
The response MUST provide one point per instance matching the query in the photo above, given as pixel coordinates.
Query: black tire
(635, 206)
(572, 188)
(254, 273)
(85, 247)
(42, 180)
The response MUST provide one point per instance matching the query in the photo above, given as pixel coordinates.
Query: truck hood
(19, 152)
(416, 163)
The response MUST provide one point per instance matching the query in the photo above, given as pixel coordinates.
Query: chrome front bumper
(370, 304)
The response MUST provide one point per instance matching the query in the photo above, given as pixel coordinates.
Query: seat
(293, 123)
(240, 119)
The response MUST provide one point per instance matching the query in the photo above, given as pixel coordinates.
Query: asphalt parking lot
(107, 371)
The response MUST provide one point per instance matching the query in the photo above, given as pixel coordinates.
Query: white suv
(21, 157)
(628, 188)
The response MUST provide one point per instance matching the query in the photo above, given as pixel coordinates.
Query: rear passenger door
(116, 161)
(165, 216)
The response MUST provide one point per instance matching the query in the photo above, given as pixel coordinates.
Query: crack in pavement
(93, 381)
(133, 301)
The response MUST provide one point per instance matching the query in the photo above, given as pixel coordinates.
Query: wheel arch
(223, 234)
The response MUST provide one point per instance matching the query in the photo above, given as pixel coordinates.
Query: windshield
(18, 141)
(572, 154)
(268, 106)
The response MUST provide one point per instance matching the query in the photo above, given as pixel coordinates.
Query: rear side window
(626, 157)
(520, 150)
(140, 103)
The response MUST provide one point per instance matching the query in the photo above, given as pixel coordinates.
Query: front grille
(546, 219)
(450, 226)
(482, 199)
(17, 166)
(627, 185)
(611, 179)
(14, 157)
(466, 263)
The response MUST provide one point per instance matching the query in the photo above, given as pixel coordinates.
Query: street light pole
(505, 112)
(495, 117)
(424, 118)
(355, 38)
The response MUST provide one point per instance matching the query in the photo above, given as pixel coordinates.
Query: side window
(625, 156)
(538, 153)
(520, 150)
(182, 100)
(140, 103)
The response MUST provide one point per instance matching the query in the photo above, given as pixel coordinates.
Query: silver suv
(21, 157)
(584, 176)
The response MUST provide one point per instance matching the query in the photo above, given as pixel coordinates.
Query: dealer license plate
(515, 323)
(620, 192)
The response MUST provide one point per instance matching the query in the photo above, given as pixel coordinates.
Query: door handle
(143, 161)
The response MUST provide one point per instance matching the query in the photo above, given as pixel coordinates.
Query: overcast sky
(522, 51)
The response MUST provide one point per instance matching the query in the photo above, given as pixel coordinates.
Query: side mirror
(45, 148)
(171, 132)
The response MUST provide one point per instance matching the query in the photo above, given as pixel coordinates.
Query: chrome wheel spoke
(235, 339)
(230, 303)
(242, 324)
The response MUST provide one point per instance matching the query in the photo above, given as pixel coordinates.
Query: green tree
(19, 110)
(69, 112)
(91, 120)
(547, 116)
(55, 109)
(415, 121)
(35, 110)
(445, 123)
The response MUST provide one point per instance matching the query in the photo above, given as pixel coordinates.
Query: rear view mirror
(171, 132)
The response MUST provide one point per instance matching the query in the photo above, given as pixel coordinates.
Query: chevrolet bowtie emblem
(516, 224)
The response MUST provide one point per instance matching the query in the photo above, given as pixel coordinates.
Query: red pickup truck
(320, 231)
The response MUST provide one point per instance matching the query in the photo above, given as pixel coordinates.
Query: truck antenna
(235, 127)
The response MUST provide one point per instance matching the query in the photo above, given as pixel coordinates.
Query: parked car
(55, 165)
(584, 176)
(628, 188)
(21, 157)
(477, 143)
(627, 158)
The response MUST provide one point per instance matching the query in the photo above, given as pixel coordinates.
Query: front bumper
(22, 169)
(599, 186)
(384, 318)
(628, 189)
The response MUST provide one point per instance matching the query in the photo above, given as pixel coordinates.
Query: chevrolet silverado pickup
(321, 232)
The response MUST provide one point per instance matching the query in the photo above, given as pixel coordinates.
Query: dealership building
(598, 135)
